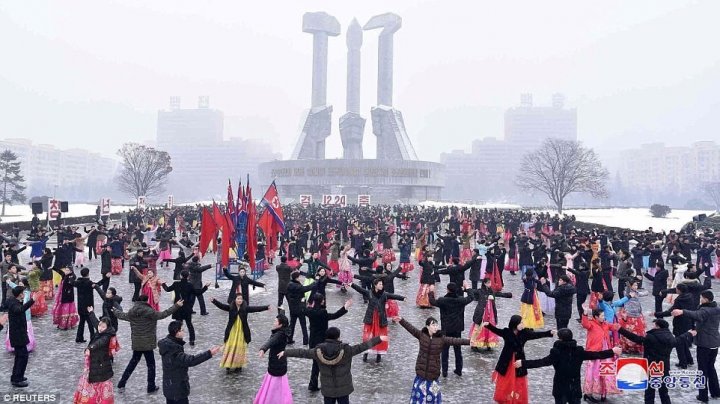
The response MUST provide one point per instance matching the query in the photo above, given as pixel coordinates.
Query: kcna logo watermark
(638, 374)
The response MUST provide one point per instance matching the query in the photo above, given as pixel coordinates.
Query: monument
(395, 175)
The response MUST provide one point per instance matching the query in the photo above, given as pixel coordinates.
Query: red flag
(208, 229)
(225, 243)
(269, 228)
(251, 227)
(239, 207)
(231, 228)
(271, 203)
(230, 203)
(219, 219)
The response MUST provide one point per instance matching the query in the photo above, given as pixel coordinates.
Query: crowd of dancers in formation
(600, 273)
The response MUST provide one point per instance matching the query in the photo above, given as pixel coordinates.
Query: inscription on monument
(349, 172)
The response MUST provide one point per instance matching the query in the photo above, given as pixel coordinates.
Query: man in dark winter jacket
(284, 270)
(707, 339)
(105, 267)
(657, 345)
(319, 318)
(18, 334)
(567, 358)
(295, 294)
(242, 282)
(85, 288)
(334, 358)
(196, 270)
(175, 363)
(581, 284)
(143, 334)
(456, 272)
(186, 292)
(659, 282)
(452, 320)
(681, 324)
(138, 262)
(563, 295)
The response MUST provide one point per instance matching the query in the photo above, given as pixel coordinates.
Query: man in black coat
(138, 261)
(681, 324)
(452, 320)
(175, 363)
(18, 334)
(657, 345)
(319, 318)
(295, 294)
(659, 281)
(567, 358)
(582, 288)
(105, 267)
(563, 295)
(186, 292)
(457, 271)
(243, 282)
(85, 288)
(196, 271)
(707, 339)
(283, 270)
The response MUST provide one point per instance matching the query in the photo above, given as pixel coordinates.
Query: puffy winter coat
(100, 357)
(567, 358)
(143, 324)
(334, 358)
(452, 310)
(427, 364)
(175, 363)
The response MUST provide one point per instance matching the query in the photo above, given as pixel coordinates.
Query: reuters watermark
(28, 398)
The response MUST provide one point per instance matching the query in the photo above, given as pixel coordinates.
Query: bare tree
(711, 189)
(12, 182)
(145, 170)
(562, 167)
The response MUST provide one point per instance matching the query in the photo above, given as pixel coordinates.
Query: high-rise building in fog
(488, 171)
(658, 169)
(73, 174)
(527, 126)
(202, 160)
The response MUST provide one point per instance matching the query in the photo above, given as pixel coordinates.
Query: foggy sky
(92, 74)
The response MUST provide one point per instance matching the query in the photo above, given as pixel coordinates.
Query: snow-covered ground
(632, 218)
(635, 218)
(23, 213)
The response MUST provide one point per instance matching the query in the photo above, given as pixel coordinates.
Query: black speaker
(36, 208)
(701, 217)
(63, 206)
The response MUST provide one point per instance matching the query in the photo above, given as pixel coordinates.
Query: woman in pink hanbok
(151, 286)
(345, 275)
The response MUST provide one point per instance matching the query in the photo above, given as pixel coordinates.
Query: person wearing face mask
(432, 342)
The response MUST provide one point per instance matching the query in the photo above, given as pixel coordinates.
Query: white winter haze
(93, 74)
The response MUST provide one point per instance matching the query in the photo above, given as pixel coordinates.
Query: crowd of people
(597, 274)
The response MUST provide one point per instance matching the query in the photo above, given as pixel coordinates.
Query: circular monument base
(386, 181)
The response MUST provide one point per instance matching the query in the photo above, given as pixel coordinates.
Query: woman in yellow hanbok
(237, 332)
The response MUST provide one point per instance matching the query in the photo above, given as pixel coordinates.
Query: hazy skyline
(92, 74)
